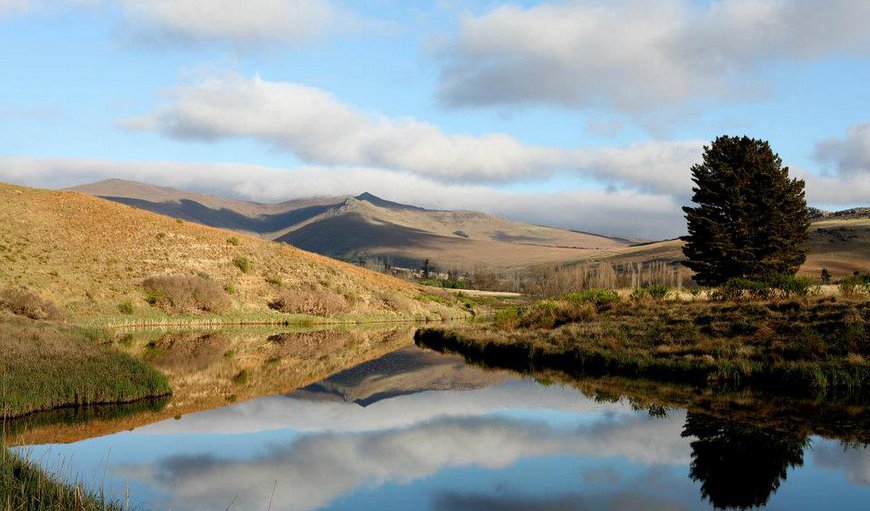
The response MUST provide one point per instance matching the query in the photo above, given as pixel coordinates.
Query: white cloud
(849, 155)
(247, 23)
(243, 23)
(320, 129)
(588, 53)
(590, 210)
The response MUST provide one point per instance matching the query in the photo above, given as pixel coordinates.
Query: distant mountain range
(367, 226)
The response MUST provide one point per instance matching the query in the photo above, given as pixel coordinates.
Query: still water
(418, 430)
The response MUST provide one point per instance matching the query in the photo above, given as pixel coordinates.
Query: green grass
(793, 346)
(25, 487)
(45, 366)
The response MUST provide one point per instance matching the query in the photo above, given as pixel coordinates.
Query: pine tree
(750, 220)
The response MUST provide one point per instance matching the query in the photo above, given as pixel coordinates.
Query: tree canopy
(750, 219)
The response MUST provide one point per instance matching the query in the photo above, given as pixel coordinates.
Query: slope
(91, 257)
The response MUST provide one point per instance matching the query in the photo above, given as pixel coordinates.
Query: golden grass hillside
(91, 257)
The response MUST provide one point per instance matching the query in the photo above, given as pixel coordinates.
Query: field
(800, 346)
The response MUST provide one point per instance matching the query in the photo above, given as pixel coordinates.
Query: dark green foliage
(750, 218)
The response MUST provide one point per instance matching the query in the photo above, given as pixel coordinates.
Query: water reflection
(418, 430)
(740, 466)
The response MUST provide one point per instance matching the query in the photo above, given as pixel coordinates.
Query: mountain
(91, 256)
(367, 226)
(406, 371)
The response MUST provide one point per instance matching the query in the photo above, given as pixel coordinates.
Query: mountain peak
(383, 203)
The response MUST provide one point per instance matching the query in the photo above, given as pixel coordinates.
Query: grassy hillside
(92, 257)
(368, 226)
(842, 245)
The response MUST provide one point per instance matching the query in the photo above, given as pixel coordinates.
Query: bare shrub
(315, 302)
(185, 293)
(23, 302)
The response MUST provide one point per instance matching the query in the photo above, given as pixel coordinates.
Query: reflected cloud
(282, 412)
(316, 469)
(853, 461)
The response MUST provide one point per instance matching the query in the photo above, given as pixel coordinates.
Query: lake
(414, 429)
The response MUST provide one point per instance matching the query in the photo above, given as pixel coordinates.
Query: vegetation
(45, 366)
(243, 263)
(751, 219)
(26, 487)
(185, 294)
(23, 302)
(801, 346)
(316, 302)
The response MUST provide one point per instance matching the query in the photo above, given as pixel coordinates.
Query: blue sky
(580, 114)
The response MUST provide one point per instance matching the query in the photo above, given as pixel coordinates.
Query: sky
(581, 114)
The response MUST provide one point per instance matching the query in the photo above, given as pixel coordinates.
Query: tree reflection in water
(740, 466)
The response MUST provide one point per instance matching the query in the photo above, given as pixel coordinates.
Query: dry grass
(90, 255)
(186, 294)
(22, 302)
(315, 302)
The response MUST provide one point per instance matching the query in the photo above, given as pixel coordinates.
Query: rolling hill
(367, 226)
(91, 256)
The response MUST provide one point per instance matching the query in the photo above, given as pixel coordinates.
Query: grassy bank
(26, 487)
(795, 346)
(45, 365)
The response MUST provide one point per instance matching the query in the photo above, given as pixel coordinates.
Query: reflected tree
(739, 466)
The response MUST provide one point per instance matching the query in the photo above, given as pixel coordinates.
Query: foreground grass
(26, 487)
(45, 366)
(794, 346)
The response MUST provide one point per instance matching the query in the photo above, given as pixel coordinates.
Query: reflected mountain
(740, 466)
(406, 371)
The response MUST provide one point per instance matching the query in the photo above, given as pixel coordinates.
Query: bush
(23, 302)
(126, 307)
(243, 263)
(274, 280)
(315, 302)
(508, 318)
(552, 314)
(789, 285)
(233, 241)
(601, 298)
(182, 293)
(854, 285)
(658, 291)
(654, 292)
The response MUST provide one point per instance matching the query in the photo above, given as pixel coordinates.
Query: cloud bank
(320, 129)
(244, 24)
(586, 53)
(594, 210)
